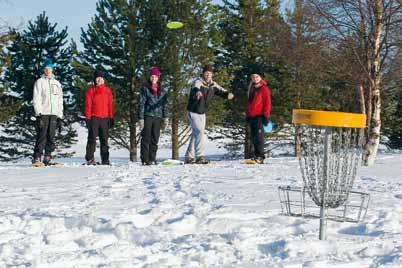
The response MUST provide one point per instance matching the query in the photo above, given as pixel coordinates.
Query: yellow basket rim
(328, 118)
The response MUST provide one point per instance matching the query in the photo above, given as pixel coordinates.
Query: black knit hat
(98, 73)
(207, 68)
(257, 70)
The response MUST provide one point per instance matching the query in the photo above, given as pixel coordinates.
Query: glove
(141, 124)
(265, 121)
(198, 95)
(111, 122)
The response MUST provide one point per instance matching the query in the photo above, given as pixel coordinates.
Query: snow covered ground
(225, 214)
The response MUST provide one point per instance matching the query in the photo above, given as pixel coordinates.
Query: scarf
(153, 88)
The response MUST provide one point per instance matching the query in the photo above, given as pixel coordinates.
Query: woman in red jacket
(99, 117)
(258, 109)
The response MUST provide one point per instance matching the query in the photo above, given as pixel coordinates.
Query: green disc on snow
(174, 25)
(171, 162)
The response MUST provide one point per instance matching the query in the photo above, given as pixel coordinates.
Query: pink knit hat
(155, 71)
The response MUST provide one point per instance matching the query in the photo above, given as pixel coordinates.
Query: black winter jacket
(208, 90)
(150, 105)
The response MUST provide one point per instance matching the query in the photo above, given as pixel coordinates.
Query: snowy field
(225, 214)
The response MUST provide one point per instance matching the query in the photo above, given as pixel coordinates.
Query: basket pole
(327, 152)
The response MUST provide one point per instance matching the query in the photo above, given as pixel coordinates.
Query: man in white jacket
(48, 106)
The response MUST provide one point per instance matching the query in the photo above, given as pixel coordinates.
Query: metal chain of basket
(329, 173)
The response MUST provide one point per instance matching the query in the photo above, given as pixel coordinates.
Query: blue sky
(72, 13)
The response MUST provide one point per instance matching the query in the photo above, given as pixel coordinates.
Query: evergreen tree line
(328, 55)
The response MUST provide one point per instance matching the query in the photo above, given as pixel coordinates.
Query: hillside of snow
(225, 214)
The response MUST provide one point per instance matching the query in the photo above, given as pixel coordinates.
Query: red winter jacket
(99, 102)
(260, 103)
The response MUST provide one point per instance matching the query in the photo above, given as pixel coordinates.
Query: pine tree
(392, 106)
(251, 29)
(127, 37)
(116, 42)
(181, 54)
(8, 105)
(27, 53)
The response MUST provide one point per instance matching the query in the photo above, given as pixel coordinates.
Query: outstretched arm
(220, 91)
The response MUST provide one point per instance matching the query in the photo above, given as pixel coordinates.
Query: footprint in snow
(399, 196)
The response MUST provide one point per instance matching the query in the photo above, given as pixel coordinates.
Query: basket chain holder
(331, 149)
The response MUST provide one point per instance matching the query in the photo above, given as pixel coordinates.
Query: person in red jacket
(258, 110)
(99, 117)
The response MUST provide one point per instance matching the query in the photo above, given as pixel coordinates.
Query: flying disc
(174, 24)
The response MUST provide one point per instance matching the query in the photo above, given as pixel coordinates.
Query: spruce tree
(125, 38)
(251, 29)
(116, 42)
(27, 53)
(8, 105)
(181, 54)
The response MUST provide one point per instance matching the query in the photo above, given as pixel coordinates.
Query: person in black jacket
(152, 116)
(202, 91)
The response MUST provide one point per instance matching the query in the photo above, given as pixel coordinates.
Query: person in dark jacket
(202, 91)
(258, 110)
(153, 105)
(99, 114)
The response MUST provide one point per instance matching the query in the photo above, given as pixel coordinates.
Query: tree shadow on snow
(275, 249)
(360, 229)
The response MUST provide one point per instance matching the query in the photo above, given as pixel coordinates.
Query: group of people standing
(152, 115)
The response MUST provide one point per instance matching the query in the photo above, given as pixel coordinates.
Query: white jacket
(48, 97)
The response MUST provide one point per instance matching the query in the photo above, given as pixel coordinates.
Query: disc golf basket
(331, 149)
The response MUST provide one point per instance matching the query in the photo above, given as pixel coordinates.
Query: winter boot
(189, 161)
(47, 161)
(201, 160)
(259, 160)
(91, 162)
(36, 162)
(105, 162)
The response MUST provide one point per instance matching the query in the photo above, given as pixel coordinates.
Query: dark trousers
(257, 135)
(46, 126)
(150, 138)
(98, 127)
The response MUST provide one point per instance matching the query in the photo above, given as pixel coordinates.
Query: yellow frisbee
(174, 25)
(328, 119)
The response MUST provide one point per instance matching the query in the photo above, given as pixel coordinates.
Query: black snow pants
(150, 138)
(98, 127)
(257, 135)
(46, 126)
